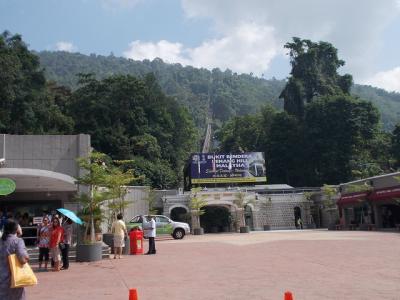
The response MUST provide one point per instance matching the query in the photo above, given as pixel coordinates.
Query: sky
(243, 36)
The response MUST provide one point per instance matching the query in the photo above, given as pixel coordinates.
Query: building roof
(35, 180)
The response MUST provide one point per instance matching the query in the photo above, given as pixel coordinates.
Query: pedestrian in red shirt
(56, 237)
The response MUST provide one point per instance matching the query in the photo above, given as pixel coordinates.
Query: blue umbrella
(71, 215)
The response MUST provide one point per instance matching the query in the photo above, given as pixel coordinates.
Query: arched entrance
(297, 217)
(180, 214)
(216, 219)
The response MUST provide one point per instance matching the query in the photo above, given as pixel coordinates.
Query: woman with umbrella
(70, 217)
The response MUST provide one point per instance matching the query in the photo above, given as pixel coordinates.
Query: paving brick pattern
(261, 265)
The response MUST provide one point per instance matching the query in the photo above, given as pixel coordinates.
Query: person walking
(118, 228)
(43, 238)
(150, 232)
(65, 245)
(299, 223)
(11, 244)
(56, 237)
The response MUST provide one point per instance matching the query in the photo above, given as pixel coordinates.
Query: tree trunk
(92, 233)
(240, 217)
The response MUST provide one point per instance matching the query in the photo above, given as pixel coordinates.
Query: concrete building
(270, 206)
(44, 169)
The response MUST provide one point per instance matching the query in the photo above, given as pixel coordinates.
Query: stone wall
(275, 210)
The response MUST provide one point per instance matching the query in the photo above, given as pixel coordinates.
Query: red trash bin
(136, 241)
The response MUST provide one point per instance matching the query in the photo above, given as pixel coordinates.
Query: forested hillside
(226, 93)
(130, 119)
(132, 111)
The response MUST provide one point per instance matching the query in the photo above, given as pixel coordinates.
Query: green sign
(7, 186)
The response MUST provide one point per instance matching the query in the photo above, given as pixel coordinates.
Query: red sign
(387, 193)
(352, 198)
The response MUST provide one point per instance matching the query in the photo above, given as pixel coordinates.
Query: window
(161, 219)
(137, 219)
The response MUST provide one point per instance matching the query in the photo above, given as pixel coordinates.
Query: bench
(352, 227)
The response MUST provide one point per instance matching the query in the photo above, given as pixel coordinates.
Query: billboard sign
(246, 167)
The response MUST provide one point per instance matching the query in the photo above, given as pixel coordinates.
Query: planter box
(267, 227)
(245, 229)
(198, 231)
(89, 252)
(108, 239)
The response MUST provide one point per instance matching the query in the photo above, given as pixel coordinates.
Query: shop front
(387, 204)
(376, 208)
(355, 210)
(37, 193)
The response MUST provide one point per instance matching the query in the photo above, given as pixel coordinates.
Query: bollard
(133, 294)
(288, 296)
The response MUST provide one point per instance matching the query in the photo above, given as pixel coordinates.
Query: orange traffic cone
(133, 294)
(288, 296)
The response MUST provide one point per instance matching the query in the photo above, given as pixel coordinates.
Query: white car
(164, 226)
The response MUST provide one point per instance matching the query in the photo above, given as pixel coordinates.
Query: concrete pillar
(3, 145)
(377, 215)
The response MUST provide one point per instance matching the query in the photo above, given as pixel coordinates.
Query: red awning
(386, 193)
(352, 198)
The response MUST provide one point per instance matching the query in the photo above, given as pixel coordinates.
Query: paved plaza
(313, 264)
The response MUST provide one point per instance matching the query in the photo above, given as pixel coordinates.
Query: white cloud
(250, 34)
(388, 80)
(65, 46)
(170, 52)
(246, 48)
(354, 27)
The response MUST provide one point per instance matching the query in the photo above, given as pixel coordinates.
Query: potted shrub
(241, 201)
(94, 178)
(196, 206)
(329, 203)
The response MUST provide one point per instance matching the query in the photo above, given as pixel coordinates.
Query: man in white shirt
(64, 247)
(150, 231)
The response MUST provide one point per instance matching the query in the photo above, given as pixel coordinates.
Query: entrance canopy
(383, 194)
(353, 198)
(376, 195)
(35, 180)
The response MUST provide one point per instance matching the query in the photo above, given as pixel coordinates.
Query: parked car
(164, 226)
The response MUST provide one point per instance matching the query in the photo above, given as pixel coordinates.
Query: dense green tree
(26, 105)
(284, 152)
(129, 117)
(314, 74)
(197, 88)
(338, 134)
(155, 173)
